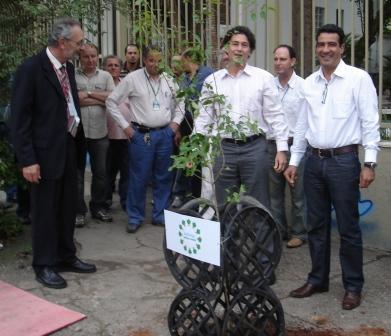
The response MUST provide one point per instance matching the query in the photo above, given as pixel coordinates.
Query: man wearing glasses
(45, 119)
(338, 113)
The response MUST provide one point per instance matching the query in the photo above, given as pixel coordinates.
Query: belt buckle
(330, 153)
(320, 151)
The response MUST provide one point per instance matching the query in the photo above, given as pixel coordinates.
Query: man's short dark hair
(292, 52)
(330, 29)
(152, 47)
(131, 45)
(106, 58)
(240, 30)
(196, 55)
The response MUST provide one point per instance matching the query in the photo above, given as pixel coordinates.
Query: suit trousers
(277, 187)
(53, 211)
(334, 181)
(243, 164)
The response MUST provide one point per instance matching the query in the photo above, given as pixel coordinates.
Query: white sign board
(194, 237)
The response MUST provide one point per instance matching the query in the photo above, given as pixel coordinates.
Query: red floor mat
(22, 313)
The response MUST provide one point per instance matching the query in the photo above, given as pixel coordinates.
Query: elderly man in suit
(45, 119)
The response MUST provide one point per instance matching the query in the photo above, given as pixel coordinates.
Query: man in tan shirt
(94, 86)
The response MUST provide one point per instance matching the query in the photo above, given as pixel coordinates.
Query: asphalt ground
(132, 291)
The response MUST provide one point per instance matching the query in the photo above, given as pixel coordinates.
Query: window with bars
(319, 17)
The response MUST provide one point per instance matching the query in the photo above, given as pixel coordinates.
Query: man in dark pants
(338, 112)
(250, 97)
(117, 155)
(187, 187)
(44, 121)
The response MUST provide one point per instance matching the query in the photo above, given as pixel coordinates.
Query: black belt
(290, 141)
(330, 152)
(243, 141)
(146, 129)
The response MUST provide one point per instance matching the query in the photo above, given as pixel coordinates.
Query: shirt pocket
(342, 108)
(100, 86)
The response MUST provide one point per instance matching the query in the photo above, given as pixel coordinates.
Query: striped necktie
(64, 81)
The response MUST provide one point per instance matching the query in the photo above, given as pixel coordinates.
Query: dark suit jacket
(39, 115)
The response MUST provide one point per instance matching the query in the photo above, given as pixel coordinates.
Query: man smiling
(250, 96)
(338, 112)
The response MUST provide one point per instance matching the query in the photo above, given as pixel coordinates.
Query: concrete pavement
(131, 293)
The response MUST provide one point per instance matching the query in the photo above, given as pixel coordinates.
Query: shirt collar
(149, 76)
(291, 83)
(56, 63)
(248, 70)
(80, 71)
(340, 71)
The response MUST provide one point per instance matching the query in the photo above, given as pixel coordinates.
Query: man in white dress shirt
(155, 117)
(339, 111)
(249, 96)
(288, 85)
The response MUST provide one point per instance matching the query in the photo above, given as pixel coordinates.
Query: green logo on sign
(190, 236)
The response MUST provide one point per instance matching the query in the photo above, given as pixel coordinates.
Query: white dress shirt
(338, 113)
(145, 108)
(71, 104)
(290, 101)
(249, 96)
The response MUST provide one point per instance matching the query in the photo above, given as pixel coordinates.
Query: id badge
(156, 105)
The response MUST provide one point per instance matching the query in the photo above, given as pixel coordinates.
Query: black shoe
(48, 277)
(132, 228)
(102, 215)
(77, 266)
(158, 223)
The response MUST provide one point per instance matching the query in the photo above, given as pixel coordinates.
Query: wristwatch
(88, 93)
(371, 165)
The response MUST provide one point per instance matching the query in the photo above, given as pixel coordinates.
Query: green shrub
(10, 225)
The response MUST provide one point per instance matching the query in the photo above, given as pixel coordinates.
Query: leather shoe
(132, 228)
(351, 300)
(102, 215)
(294, 242)
(77, 266)
(307, 290)
(48, 277)
(158, 223)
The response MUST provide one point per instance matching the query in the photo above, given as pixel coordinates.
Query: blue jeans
(146, 160)
(334, 181)
(277, 186)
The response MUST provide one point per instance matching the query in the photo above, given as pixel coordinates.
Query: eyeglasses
(324, 94)
(78, 43)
